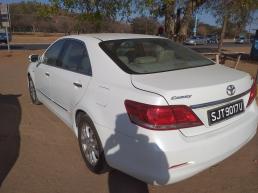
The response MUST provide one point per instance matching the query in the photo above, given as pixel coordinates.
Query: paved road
(41, 46)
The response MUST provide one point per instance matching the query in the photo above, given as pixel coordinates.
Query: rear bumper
(167, 157)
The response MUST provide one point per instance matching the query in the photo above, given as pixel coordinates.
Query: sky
(203, 17)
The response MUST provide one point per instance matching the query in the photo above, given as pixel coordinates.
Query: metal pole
(195, 24)
(7, 36)
(6, 27)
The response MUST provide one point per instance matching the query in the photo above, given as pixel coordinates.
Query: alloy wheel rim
(89, 144)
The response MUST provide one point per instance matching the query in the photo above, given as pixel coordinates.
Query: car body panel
(42, 79)
(210, 86)
(156, 157)
(63, 89)
(199, 152)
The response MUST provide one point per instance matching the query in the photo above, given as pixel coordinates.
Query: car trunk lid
(201, 88)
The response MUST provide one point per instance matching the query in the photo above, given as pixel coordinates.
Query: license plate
(225, 112)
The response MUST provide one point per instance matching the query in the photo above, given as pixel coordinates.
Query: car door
(43, 70)
(71, 78)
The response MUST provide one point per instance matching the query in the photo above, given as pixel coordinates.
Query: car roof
(114, 36)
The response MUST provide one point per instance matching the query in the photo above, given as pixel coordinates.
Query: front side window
(152, 55)
(75, 57)
(52, 54)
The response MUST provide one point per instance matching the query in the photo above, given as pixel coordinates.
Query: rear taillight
(161, 117)
(253, 93)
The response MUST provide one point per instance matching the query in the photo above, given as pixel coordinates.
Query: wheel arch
(76, 114)
(31, 75)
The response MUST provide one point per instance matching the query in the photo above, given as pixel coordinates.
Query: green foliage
(107, 8)
(238, 11)
(96, 13)
(155, 8)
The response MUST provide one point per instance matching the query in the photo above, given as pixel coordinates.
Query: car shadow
(10, 118)
(119, 182)
(135, 155)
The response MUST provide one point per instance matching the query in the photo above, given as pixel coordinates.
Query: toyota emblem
(231, 89)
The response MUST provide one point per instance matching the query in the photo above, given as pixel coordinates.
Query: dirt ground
(35, 37)
(49, 161)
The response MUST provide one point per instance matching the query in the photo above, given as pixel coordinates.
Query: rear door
(43, 70)
(72, 76)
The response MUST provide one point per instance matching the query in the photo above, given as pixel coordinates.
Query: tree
(190, 7)
(29, 16)
(159, 9)
(144, 25)
(174, 25)
(94, 12)
(238, 12)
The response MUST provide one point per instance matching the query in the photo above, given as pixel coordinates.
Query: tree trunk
(169, 21)
(222, 34)
(186, 20)
(188, 12)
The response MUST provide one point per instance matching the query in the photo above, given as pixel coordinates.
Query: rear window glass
(152, 55)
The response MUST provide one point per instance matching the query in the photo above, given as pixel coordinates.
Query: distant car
(240, 40)
(212, 39)
(196, 40)
(3, 37)
(145, 105)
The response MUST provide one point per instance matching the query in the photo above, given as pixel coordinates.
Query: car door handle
(79, 85)
(47, 74)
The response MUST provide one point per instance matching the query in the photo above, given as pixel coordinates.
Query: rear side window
(75, 57)
(52, 54)
(151, 55)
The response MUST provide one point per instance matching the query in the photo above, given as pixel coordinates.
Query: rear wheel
(33, 94)
(90, 145)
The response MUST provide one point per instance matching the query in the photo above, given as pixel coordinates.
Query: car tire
(90, 145)
(33, 93)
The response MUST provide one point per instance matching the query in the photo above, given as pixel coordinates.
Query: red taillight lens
(253, 93)
(161, 117)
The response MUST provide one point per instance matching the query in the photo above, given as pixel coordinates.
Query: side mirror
(33, 58)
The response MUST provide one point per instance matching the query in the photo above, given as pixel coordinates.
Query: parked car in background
(3, 37)
(212, 39)
(240, 40)
(196, 40)
(145, 105)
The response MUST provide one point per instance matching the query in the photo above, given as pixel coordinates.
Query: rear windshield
(152, 55)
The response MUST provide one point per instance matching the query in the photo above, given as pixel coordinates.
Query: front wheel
(33, 94)
(90, 145)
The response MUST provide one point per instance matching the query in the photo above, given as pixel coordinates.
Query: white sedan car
(145, 105)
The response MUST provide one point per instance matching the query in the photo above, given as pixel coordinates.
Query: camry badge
(231, 89)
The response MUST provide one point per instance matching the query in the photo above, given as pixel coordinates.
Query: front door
(43, 69)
